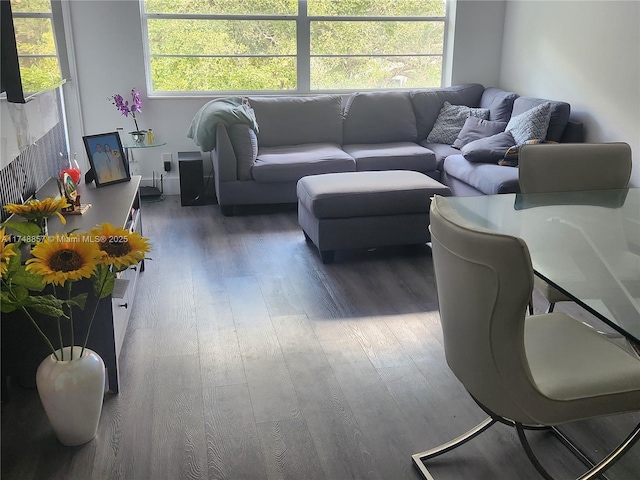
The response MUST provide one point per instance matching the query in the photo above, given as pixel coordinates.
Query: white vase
(72, 392)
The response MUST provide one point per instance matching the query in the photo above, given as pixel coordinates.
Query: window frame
(55, 18)
(303, 44)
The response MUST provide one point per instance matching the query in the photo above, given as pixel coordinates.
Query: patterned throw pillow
(451, 120)
(530, 125)
(511, 156)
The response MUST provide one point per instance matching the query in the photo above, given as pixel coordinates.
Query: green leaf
(78, 301)
(20, 293)
(26, 229)
(27, 279)
(47, 305)
(108, 286)
(7, 305)
(14, 298)
(103, 281)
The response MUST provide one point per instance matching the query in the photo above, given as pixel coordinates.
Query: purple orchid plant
(125, 109)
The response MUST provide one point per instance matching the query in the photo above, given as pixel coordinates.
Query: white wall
(475, 42)
(586, 53)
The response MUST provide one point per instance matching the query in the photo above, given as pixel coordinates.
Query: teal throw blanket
(229, 111)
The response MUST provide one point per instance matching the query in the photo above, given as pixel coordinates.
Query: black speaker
(191, 179)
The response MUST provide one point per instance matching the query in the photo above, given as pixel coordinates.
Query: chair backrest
(567, 167)
(484, 282)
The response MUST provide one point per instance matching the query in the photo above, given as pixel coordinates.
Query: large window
(37, 55)
(292, 45)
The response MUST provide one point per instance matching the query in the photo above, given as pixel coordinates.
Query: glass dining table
(586, 244)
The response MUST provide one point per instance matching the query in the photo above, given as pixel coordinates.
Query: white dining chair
(567, 167)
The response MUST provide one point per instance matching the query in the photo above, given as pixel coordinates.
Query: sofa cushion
(560, 112)
(427, 103)
(499, 102)
(475, 128)
(531, 124)
(292, 162)
(488, 178)
(245, 146)
(298, 120)
(441, 151)
(379, 117)
(488, 150)
(451, 120)
(392, 156)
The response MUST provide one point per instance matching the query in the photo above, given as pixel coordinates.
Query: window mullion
(303, 48)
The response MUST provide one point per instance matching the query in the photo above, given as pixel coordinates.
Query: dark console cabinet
(22, 348)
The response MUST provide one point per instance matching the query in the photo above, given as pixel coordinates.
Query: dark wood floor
(247, 358)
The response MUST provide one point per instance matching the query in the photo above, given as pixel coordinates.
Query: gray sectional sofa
(365, 131)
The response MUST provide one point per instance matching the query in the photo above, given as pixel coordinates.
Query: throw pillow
(530, 125)
(511, 156)
(560, 112)
(488, 150)
(475, 128)
(245, 145)
(451, 120)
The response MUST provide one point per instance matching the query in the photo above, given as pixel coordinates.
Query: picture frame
(107, 159)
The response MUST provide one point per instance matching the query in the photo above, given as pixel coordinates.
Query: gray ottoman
(366, 209)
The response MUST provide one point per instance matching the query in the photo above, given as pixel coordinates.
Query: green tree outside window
(37, 55)
(207, 45)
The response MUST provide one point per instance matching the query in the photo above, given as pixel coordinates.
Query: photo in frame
(107, 158)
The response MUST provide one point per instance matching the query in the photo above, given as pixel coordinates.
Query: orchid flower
(123, 106)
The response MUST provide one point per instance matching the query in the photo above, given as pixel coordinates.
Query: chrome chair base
(549, 309)
(419, 458)
(596, 470)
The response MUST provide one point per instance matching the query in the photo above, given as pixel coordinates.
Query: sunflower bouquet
(45, 282)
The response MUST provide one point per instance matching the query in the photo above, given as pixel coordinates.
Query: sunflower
(122, 248)
(6, 251)
(35, 210)
(63, 258)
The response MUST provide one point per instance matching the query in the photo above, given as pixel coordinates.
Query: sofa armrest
(573, 132)
(225, 164)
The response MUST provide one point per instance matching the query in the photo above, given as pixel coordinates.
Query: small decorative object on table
(71, 379)
(138, 136)
(107, 159)
(73, 169)
(69, 190)
(136, 106)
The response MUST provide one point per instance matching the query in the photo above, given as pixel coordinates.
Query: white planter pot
(72, 392)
